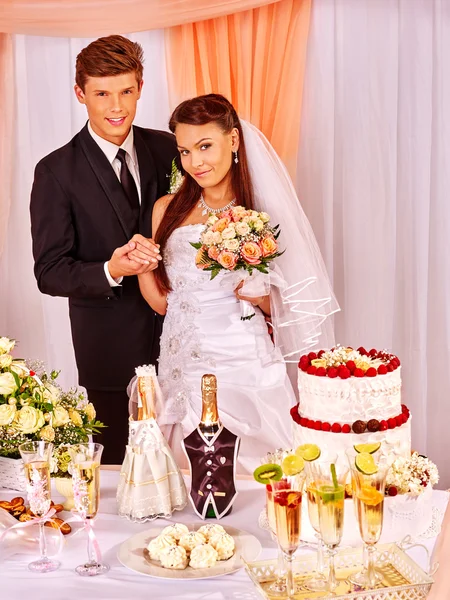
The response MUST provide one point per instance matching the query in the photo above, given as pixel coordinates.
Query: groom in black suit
(91, 204)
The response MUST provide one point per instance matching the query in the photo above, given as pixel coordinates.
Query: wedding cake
(350, 397)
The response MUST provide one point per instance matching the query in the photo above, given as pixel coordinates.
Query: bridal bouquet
(239, 239)
(34, 407)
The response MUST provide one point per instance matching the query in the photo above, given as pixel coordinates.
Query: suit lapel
(108, 181)
(149, 182)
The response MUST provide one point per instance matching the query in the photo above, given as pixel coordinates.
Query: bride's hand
(255, 301)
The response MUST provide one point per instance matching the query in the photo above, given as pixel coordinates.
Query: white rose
(29, 420)
(6, 345)
(242, 228)
(5, 360)
(75, 417)
(231, 245)
(20, 368)
(7, 413)
(216, 237)
(51, 393)
(258, 225)
(207, 238)
(7, 384)
(60, 416)
(229, 232)
(212, 219)
(264, 217)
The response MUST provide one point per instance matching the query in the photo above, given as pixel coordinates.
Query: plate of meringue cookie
(189, 551)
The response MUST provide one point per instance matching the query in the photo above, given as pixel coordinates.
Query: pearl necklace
(207, 209)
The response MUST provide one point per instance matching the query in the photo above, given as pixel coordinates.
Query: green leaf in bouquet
(16, 379)
(214, 272)
(196, 245)
(262, 269)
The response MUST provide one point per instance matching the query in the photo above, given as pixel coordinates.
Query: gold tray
(403, 579)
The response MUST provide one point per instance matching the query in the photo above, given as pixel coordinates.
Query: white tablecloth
(16, 581)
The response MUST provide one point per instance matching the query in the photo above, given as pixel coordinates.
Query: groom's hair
(107, 56)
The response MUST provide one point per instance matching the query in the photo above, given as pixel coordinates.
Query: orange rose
(213, 252)
(269, 246)
(221, 224)
(227, 259)
(251, 252)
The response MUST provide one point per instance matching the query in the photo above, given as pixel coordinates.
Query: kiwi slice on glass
(265, 473)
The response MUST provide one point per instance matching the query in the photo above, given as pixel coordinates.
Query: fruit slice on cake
(365, 463)
(369, 448)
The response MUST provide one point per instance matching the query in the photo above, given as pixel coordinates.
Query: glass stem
(332, 581)
(42, 542)
(280, 565)
(91, 552)
(320, 565)
(371, 573)
(290, 587)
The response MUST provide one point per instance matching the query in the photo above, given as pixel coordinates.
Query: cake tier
(348, 400)
(394, 441)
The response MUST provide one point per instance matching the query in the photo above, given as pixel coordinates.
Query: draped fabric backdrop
(373, 166)
(374, 175)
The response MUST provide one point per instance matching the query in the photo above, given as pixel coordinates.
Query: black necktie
(127, 181)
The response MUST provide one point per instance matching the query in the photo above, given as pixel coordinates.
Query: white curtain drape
(48, 116)
(374, 178)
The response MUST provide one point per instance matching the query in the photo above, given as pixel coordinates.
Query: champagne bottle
(146, 391)
(210, 423)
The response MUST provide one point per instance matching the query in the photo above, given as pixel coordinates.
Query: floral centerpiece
(34, 407)
(239, 239)
(413, 475)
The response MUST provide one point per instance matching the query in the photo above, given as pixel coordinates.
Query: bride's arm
(147, 283)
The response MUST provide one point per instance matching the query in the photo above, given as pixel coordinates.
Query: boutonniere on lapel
(176, 178)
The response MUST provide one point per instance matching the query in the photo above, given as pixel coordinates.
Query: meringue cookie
(188, 541)
(203, 557)
(224, 545)
(211, 529)
(160, 543)
(176, 530)
(174, 557)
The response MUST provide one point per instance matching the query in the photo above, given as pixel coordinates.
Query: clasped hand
(138, 256)
(255, 301)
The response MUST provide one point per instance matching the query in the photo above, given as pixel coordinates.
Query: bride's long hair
(211, 108)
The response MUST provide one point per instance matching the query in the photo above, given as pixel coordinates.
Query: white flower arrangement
(412, 475)
(176, 179)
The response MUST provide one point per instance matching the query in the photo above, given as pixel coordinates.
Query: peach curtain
(6, 130)
(256, 59)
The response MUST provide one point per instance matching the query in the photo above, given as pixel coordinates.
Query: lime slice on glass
(308, 452)
(369, 448)
(365, 464)
(265, 473)
(329, 493)
(292, 464)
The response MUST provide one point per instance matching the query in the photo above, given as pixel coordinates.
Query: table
(17, 581)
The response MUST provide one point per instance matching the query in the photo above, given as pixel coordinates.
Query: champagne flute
(287, 497)
(318, 582)
(86, 486)
(369, 473)
(330, 477)
(36, 458)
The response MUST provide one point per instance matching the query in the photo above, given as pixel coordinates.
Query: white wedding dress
(203, 333)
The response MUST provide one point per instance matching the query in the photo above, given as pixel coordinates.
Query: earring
(236, 160)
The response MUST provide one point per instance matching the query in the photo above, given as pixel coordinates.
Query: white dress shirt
(110, 151)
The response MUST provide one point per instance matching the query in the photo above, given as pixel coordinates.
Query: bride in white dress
(203, 331)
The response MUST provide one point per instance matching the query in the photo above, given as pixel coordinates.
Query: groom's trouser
(112, 410)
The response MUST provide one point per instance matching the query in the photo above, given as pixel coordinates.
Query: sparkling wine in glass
(36, 458)
(369, 473)
(287, 496)
(330, 478)
(86, 486)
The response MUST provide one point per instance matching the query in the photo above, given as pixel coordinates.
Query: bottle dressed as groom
(91, 204)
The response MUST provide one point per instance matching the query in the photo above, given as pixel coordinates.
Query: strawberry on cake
(350, 397)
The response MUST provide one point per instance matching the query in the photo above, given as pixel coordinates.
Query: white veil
(300, 311)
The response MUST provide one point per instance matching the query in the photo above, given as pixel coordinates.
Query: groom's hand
(123, 263)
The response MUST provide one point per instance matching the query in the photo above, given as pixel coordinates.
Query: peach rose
(213, 252)
(269, 246)
(227, 259)
(251, 252)
(221, 224)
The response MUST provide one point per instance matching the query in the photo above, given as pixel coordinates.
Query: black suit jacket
(79, 215)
